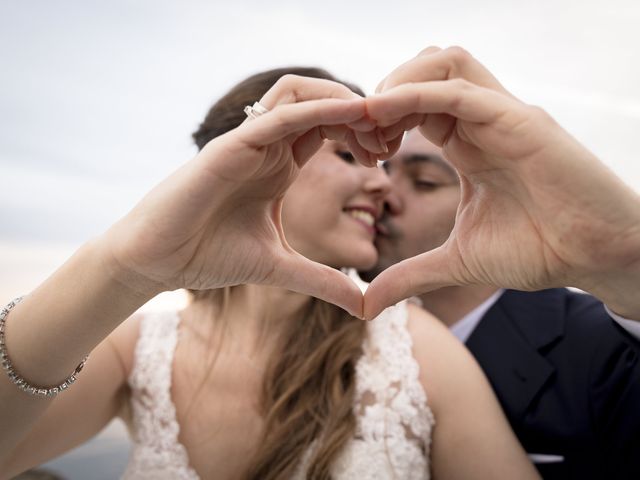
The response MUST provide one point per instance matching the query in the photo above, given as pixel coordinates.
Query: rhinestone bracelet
(15, 377)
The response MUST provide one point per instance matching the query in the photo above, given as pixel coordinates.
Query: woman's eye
(346, 156)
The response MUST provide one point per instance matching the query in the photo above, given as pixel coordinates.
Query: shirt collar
(464, 327)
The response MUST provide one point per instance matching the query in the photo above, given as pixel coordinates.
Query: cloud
(98, 100)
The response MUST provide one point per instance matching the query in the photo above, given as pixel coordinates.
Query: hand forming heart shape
(527, 217)
(525, 190)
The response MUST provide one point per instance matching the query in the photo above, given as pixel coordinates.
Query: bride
(261, 376)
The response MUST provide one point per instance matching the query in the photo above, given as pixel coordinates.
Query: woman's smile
(366, 216)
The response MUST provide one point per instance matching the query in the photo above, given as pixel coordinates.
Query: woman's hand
(216, 221)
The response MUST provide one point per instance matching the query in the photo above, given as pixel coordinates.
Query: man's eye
(425, 185)
(346, 156)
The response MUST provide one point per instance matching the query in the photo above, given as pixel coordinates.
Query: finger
(309, 143)
(393, 146)
(363, 125)
(363, 156)
(298, 118)
(437, 127)
(410, 277)
(457, 98)
(373, 141)
(334, 132)
(295, 89)
(404, 125)
(435, 64)
(302, 275)
(427, 51)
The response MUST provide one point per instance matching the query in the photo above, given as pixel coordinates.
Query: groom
(565, 369)
(566, 373)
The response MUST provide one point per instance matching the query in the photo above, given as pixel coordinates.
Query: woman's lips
(364, 216)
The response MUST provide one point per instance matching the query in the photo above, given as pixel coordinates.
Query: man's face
(422, 204)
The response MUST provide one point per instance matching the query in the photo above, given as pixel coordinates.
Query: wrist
(619, 291)
(132, 282)
(623, 306)
(71, 312)
(613, 274)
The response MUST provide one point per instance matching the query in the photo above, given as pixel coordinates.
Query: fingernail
(362, 125)
(373, 159)
(382, 141)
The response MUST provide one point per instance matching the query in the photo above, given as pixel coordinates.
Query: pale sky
(98, 99)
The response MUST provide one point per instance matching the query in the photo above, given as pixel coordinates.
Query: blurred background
(98, 101)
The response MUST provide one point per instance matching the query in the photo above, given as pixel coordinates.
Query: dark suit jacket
(568, 378)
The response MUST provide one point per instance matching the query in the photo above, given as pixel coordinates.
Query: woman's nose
(377, 182)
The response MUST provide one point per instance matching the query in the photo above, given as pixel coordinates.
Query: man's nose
(392, 202)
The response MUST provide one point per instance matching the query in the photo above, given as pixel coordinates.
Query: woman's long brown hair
(309, 385)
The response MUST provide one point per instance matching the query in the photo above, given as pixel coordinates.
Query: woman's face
(329, 212)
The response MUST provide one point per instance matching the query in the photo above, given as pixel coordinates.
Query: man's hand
(537, 208)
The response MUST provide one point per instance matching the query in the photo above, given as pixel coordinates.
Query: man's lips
(387, 230)
(382, 229)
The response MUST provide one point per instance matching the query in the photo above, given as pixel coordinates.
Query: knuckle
(429, 50)
(286, 88)
(281, 119)
(288, 80)
(462, 84)
(538, 112)
(461, 87)
(458, 55)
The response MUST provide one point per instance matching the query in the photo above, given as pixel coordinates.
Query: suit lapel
(507, 344)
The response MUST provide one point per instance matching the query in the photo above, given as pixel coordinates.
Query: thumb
(299, 274)
(413, 276)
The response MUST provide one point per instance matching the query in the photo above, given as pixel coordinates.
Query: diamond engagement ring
(255, 110)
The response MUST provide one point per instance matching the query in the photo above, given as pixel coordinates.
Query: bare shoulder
(466, 409)
(440, 356)
(427, 332)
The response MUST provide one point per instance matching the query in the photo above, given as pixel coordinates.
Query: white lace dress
(394, 422)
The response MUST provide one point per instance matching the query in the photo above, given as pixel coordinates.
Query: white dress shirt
(464, 327)
(631, 326)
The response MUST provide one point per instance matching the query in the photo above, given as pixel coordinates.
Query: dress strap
(389, 373)
(156, 428)
(154, 355)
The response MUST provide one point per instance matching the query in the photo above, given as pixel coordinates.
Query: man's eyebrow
(435, 159)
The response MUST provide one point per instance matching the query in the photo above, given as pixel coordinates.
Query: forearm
(54, 327)
(615, 279)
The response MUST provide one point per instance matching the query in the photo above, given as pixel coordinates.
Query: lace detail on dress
(156, 452)
(394, 422)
